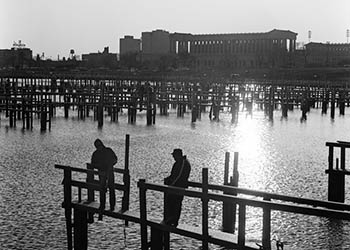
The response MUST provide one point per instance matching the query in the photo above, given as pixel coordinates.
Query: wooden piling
(229, 209)
(143, 214)
(80, 229)
(266, 232)
(205, 201)
(156, 239)
(100, 107)
(333, 104)
(68, 206)
(241, 225)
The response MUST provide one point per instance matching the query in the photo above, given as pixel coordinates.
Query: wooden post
(66, 105)
(80, 229)
(341, 102)
(333, 104)
(229, 209)
(154, 113)
(205, 201)
(43, 117)
(194, 113)
(90, 179)
(336, 178)
(284, 110)
(227, 167)
(271, 103)
(234, 183)
(100, 107)
(241, 226)
(143, 213)
(14, 102)
(11, 117)
(126, 176)
(266, 235)
(325, 102)
(67, 205)
(156, 239)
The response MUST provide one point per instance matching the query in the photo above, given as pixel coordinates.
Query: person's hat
(177, 151)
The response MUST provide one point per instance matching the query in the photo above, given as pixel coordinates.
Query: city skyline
(56, 27)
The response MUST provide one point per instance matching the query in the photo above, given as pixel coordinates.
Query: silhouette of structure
(327, 54)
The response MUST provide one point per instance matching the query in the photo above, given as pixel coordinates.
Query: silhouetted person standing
(180, 173)
(104, 158)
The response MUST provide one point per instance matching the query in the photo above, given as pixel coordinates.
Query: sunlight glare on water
(247, 141)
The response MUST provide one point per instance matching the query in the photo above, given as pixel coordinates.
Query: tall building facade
(129, 44)
(327, 54)
(275, 48)
(17, 58)
(155, 44)
(241, 50)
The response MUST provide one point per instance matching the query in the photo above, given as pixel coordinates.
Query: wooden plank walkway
(215, 236)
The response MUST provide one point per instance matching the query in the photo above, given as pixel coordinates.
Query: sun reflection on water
(248, 141)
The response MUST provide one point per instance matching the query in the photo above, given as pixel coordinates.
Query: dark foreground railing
(268, 203)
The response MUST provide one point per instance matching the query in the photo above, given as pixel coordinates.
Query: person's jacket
(180, 173)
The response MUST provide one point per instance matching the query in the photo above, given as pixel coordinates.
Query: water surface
(282, 156)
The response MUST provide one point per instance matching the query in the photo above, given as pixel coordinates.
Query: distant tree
(130, 60)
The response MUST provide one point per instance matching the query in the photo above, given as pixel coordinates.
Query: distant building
(229, 51)
(104, 59)
(129, 44)
(327, 54)
(155, 44)
(16, 57)
(239, 50)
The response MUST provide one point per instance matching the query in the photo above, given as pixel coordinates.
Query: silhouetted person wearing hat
(104, 158)
(180, 173)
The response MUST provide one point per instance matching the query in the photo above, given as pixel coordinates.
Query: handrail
(90, 171)
(324, 212)
(266, 195)
(304, 207)
(339, 144)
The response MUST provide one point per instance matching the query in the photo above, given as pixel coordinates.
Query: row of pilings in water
(23, 99)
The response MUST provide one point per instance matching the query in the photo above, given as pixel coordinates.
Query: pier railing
(86, 197)
(160, 234)
(83, 202)
(269, 202)
(337, 172)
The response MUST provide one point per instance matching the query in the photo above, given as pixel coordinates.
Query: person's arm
(168, 180)
(93, 160)
(114, 158)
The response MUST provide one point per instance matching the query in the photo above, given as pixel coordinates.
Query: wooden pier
(336, 170)
(25, 97)
(159, 237)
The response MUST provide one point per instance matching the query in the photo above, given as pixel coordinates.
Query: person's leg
(176, 211)
(102, 195)
(111, 191)
(172, 210)
(167, 205)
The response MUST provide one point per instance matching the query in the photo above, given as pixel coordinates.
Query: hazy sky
(56, 26)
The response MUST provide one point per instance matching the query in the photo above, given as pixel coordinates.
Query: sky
(54, 27)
